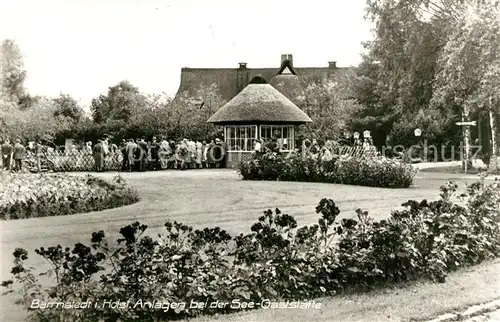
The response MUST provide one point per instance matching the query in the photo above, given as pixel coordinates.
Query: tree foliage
(67, 106)
(12, 71)
(469, 64)
(37, 122)
(118, 104)
(330, 106)
(428, 59)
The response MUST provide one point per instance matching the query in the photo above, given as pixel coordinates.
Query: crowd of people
(13, 155)
(324, 151)
(160, 153)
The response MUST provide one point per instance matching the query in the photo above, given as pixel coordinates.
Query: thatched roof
(259, 103)
(289, 85)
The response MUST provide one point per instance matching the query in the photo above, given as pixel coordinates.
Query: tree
(118, 104)
(469, 66)
(68, 107)
(12, 70)
(397, 77)
(330, 106)
(187, 115)
(36, 122)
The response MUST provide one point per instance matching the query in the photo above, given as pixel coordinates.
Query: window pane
(245, 144)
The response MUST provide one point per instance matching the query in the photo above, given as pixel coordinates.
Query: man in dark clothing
(19, 154)
(137, 155)
(98, 153)
(7, 151)
(144, 154)
(155, 148)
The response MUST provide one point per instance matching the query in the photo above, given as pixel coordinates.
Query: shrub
(374, 171)
(275, 261)
(26, 195)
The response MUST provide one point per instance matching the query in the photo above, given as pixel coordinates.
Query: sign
(473, 123)
(366, 134)
(418, 132)
(356, 135)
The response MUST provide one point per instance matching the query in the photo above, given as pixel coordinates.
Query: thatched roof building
(259, 113)
(230, 81)
(259, 104)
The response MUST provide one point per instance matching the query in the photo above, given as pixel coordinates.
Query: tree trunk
(494, 157)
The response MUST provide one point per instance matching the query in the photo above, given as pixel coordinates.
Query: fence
(357, 151)
(78, 160)
(82, 160)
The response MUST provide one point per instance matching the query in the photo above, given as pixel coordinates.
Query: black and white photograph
(235, 160)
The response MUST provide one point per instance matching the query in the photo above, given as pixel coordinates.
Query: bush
(373, 172)
(275, 261)
(39, 195)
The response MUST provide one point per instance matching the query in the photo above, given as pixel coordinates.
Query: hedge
(373, 171)
(26, 195)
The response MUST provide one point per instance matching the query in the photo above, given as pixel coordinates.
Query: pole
(464, 135)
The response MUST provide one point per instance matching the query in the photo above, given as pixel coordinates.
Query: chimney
(332, 64)
(288, 57)
(243, 65)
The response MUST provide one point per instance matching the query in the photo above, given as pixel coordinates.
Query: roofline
(187, 69)
(255, 122)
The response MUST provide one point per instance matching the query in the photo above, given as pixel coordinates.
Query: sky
(81, 47)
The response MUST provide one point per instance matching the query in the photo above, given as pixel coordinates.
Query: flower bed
(374, 171)
(40, 195)
(185, 272)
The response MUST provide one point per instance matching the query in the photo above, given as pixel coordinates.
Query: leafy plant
(373, 171)
(26, 195)
(276, 260)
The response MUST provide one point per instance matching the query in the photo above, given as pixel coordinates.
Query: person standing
(131, 147)
(199, 154)
(123, 150)
(211, 154)
(163, 154)
(155, 149)
(204, 157)
(217, 151)
(106, 150)
(184, 154)
(257, 148)
(172, 153)
(7, 151)
(19, 154)
(192, 153)
(144, 154)
(137, 155)
(98, 153)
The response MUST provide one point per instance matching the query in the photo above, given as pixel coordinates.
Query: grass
(208, 198)
(454, 170)
(416, 301)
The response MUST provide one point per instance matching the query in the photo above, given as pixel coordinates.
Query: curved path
(204, 198)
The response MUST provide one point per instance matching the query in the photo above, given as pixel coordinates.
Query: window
(241, 138)
(283, 134)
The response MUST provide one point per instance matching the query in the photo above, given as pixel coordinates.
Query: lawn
(208, 198)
